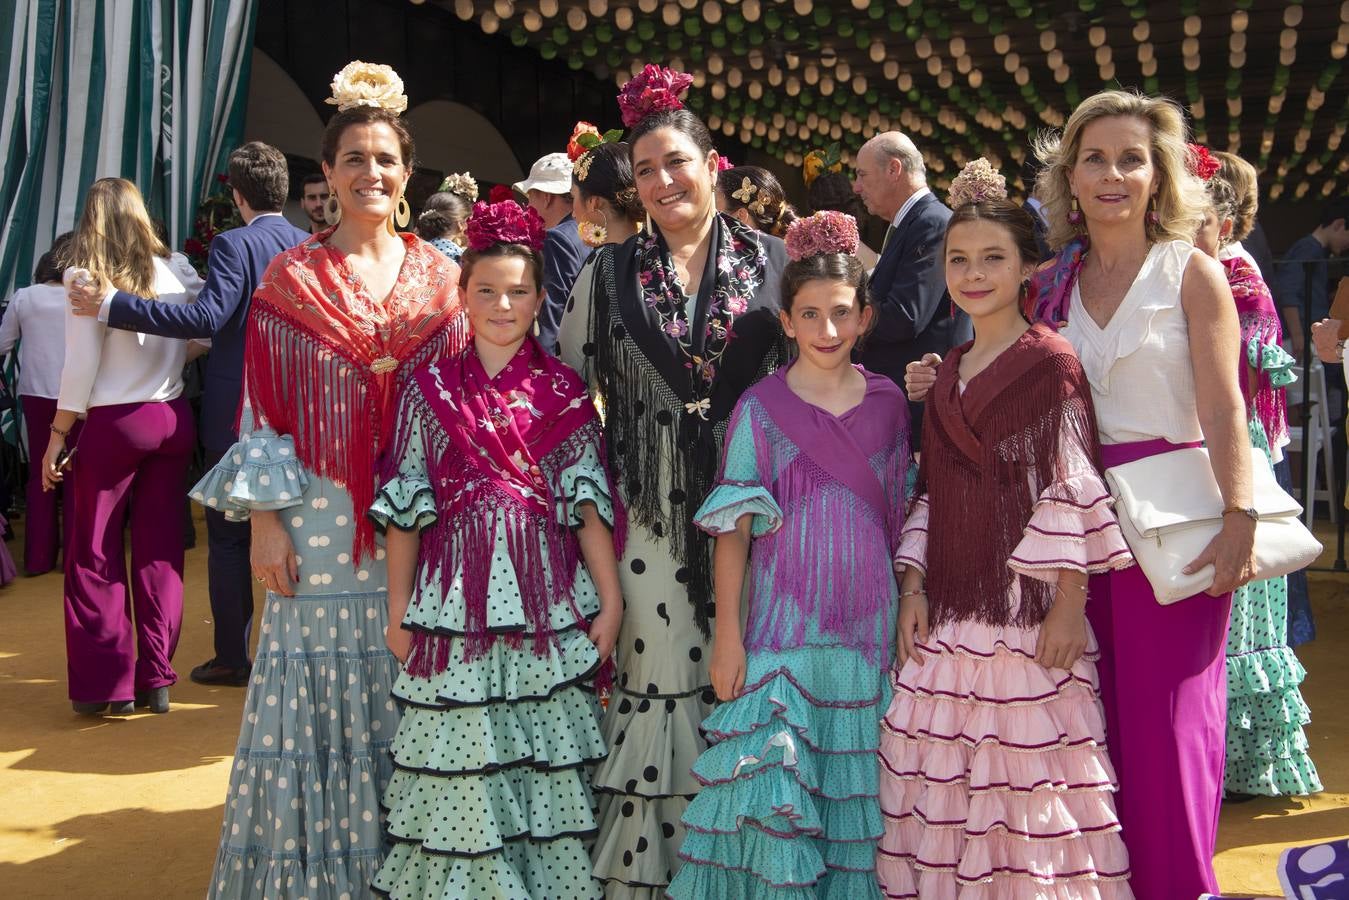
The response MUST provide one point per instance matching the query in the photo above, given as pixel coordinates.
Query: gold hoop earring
(332, 210)
(403, 213)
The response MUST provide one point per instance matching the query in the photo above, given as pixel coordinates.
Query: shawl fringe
(831, 557)
(1020, 434)
(651, 437)
(333, 407)
(462, 542)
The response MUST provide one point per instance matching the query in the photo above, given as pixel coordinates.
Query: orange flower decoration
(576, 149)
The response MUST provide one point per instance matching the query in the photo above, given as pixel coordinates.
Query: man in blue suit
(238, 257)
(914, 315)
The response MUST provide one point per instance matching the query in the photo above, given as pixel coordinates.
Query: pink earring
(1074, 214)
(1152, 218)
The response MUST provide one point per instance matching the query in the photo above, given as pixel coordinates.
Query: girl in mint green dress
(503, 597)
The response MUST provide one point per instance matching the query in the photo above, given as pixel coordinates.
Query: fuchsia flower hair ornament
(824, 232)
(654, 89)
(504, 223)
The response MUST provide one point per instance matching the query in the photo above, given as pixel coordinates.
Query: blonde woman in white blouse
(128, 465)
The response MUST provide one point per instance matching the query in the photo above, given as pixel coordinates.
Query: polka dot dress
(1266, 745)
(490, 795)
(302, 816)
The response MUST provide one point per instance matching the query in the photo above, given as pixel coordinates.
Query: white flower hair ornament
(978, 182)
(368, 84)
(462, 184)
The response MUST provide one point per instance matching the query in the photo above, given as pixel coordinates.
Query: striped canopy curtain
(151, 90)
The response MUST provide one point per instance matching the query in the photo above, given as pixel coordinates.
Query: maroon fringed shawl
(988, 455)
(1259, 322)
(495, 448)
(324, 360)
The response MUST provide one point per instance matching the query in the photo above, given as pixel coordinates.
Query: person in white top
(1155, 326)
(129, 464)
(37, 315)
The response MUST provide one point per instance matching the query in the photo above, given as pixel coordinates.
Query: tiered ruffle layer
(788, 806)
(313, 756)
(995, 781)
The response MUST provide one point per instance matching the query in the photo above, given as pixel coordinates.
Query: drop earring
(332, 210)
(403, 212)
(1075, 214)
(1153, 219)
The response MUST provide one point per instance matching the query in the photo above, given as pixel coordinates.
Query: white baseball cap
(550, 174)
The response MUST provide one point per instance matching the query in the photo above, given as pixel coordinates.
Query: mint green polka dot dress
(490, 795)
(1266, 744)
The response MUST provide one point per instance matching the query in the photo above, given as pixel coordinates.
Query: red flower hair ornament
(501, 193)
(654, 89)
(824, 232)
(1201, 162)
(504, 223)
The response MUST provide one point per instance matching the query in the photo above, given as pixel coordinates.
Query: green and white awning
(151, 90)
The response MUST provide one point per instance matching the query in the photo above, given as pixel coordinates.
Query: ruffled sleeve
(1072, 525)
(406, 501)
(1271, 360)
(912, 549)
(261, 471)
(584, 480)
(739, 490)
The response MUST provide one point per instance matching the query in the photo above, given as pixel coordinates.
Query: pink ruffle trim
(995, 782)
(912, 550)
(1072, 527)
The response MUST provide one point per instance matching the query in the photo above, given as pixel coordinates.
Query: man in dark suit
(914, 314)
(238, 258)
(548, 190)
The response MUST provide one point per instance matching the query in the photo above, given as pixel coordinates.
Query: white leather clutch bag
(1169, 508)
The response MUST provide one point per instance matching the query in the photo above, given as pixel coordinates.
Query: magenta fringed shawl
(494, 449)
(839, 481)
(1260, 322)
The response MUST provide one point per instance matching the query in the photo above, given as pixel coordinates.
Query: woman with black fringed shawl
(670, 327)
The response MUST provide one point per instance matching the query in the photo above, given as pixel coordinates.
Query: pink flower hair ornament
(504, 223)
(654, 89)
(824, 232)
(978, 182)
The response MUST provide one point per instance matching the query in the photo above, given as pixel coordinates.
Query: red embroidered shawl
(324, 359)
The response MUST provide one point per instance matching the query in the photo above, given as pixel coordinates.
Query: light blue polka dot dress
(302, 816)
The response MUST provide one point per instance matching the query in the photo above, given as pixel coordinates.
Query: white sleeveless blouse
(1142, 378)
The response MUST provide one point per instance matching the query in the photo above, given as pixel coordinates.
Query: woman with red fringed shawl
(503, 536)
(336, 326)
(1266, 746)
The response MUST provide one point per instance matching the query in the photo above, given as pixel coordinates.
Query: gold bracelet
(918, 593)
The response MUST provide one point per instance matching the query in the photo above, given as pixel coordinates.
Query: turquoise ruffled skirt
(789, 802)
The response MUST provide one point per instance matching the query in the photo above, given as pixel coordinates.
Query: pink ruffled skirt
(995, 782)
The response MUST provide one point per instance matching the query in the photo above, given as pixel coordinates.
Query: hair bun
(824, 232)
(652, 90)
(978, 182)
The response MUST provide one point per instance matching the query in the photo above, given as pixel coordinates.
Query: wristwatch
(1247, 511)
